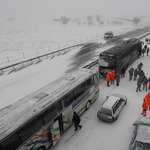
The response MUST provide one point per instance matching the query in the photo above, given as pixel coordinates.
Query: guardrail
(52, 53)
(38, 57)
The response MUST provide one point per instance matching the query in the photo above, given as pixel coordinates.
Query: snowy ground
(95, 134)
(100, 135)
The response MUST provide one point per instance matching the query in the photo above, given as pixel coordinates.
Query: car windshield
(106, 111)
(141, 146)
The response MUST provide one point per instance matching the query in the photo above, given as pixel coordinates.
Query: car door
(122, 103)
(118, 107)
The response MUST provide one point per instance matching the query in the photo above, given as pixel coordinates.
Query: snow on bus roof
(16, 114)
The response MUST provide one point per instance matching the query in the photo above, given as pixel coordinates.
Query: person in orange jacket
(108, 78)
(148, 99)
(112, 77)
(145, 106)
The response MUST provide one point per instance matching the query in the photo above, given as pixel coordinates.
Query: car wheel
(88, 104)
(116, 118)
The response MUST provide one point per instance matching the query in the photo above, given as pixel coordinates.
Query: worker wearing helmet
(108, 78)
(112, 77)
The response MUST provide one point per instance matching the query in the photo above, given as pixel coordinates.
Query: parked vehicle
(141, 134)
(108, 35)
(118, 58)
(147, 40)
(111, 107)
(38, 120)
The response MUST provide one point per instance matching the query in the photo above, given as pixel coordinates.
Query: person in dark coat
(76, 120)
(145, 83)
(131, 74)
(145, 47)
(147, 51)
(135, 74)
(139, 83)
(123, 71)
(139, 67)
(143, 51)
(117, 79)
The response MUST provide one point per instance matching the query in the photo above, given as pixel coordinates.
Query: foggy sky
(45, 9)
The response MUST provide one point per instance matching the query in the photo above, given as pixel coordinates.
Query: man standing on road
(108, 78)
(112, 77)
(140, 66)
(135, 74)
(147, 51)
(145, 82)
(148, 99)
(145, 106)
(139, 82)
(143, 51)
(131, 74)
(76, 120)
(117, 79)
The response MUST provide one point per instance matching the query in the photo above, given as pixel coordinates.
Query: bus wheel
(88, 104)
(41, 148)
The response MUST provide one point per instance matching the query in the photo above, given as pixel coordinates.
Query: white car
(111, 107)
(141, 134)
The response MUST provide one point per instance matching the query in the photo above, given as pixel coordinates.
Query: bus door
(55, 132)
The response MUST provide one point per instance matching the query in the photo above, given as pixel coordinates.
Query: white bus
(37, 121)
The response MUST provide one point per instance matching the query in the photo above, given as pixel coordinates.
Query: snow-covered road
(100, 135)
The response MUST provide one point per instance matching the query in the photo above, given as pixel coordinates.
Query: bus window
(26, 132)
(89, 83)
(37, 123)
(96, 81)
(50, 113)
(68, 99)
(11, 143)
(79, 90)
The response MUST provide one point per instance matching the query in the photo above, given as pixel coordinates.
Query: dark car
(108, 35)
(147, 40)
(141, 134)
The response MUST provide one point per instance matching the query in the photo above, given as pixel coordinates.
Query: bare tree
(77, 20)
(64, 20)
(90, 20)
(136, 20)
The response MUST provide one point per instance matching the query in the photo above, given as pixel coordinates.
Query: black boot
(75, 129)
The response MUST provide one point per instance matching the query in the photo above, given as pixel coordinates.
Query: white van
(111, 107)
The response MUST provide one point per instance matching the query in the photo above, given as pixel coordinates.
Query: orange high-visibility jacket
(108, 77)
(148, 98)
(145, 104)
(112, 75)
